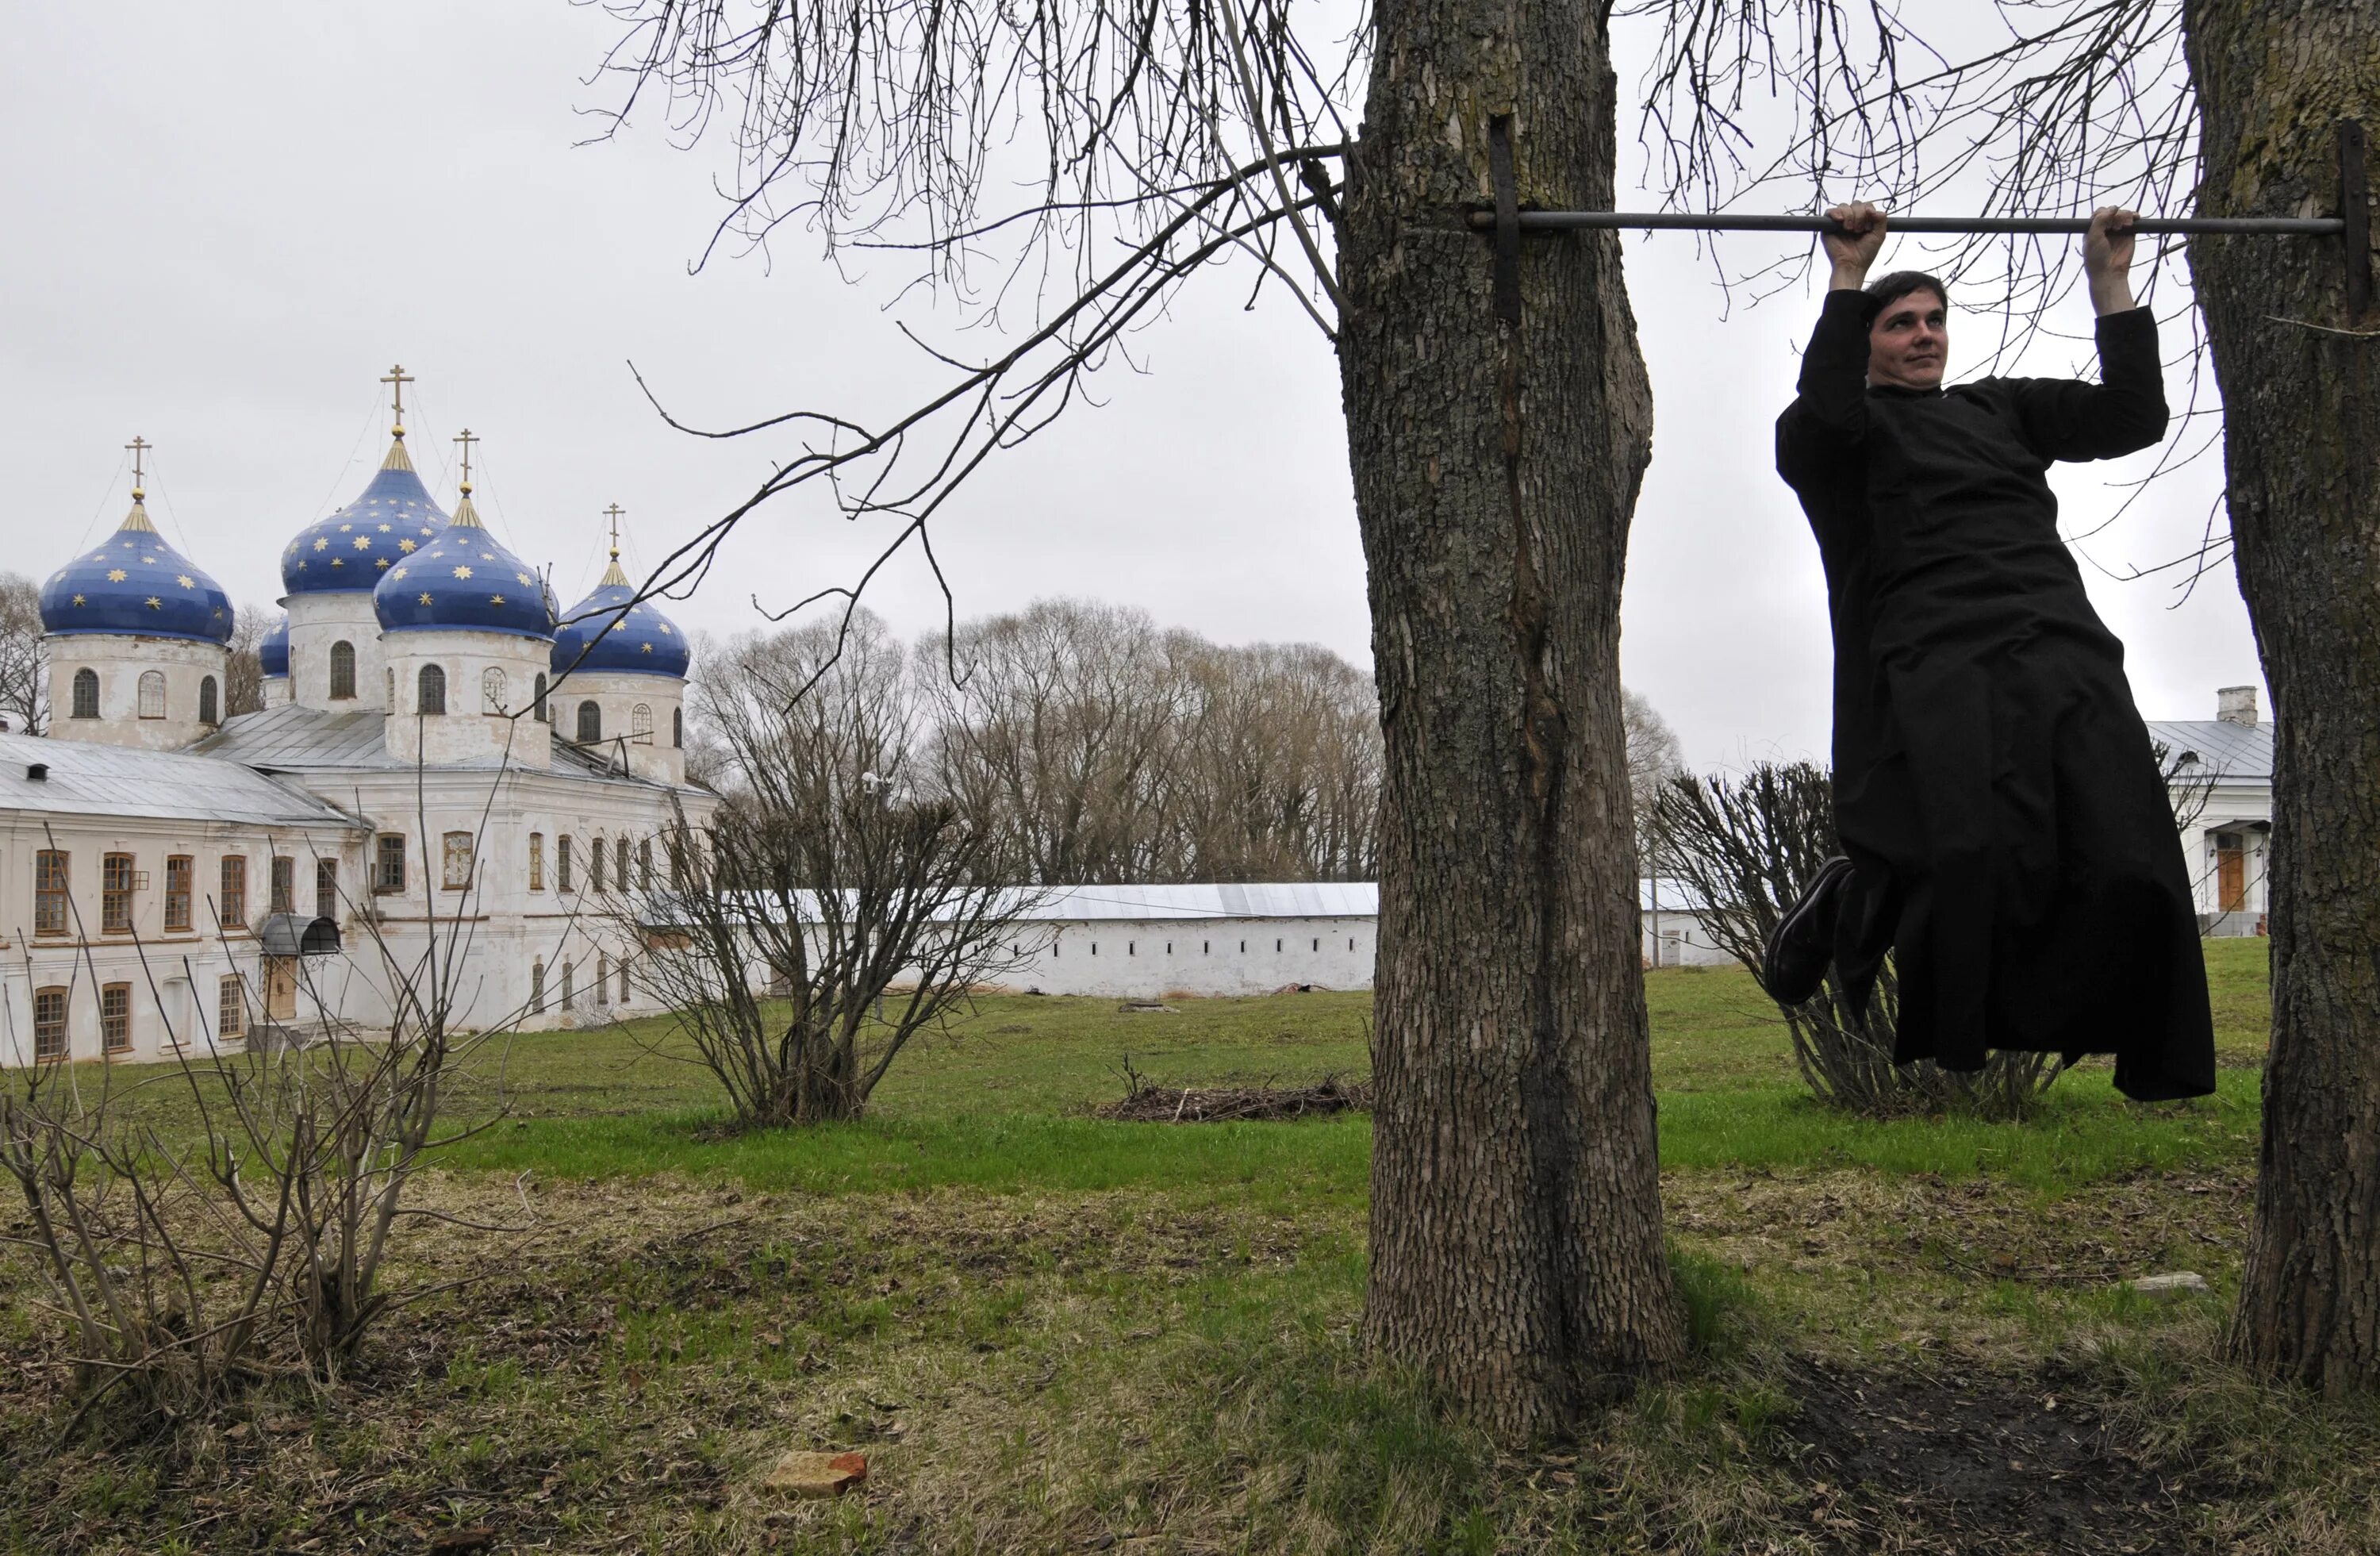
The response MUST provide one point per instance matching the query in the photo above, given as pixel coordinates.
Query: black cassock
(2014, 846)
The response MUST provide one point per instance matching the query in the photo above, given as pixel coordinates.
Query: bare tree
(24, 681)
(244, 666)
(833, 916)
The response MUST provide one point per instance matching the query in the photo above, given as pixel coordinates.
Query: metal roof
(2232, 750)
(90, 780)
(291, 738)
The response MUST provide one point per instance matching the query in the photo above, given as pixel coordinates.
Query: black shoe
(1794, 962)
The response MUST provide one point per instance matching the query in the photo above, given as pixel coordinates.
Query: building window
(50, 910)
(389, 680)
(590, 723)
(152, 694)
(455, 873)
(231, 1008)
(562, 863)
(677, 728)
(569, 998)
(602, 978)
(326, 888)
(210, 702)
(676, 847)
(595, 865)
(620, 861)
(86, 694)
(623, 980)
(282, 875)
(640, 724)
(431, 698)
(537, 986)
(115, 893)
(343, 672)
(49, 1023)
(231, 907)
(179, 871)
(493, 688)
(115, 1017)
(537, 703)
(537, 861)
(644, 865)
(388, 862)
(1318, 944)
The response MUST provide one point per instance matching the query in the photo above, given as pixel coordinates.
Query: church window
(231, 1008)
(49, 1023)
(590, 723)
(210, 702)
(492, 690)
(537, 861)
(620, 859)
(624, 980)
(86, 695)
(152, 694)
(50, 906)
(676, 847)
(343, 671)
(537, 707)
(115, 893)
(562, 863)
(640, 724)
(284, 879)
(391, 699)
(388, 862)
(432, 691)
(644, 865)
(537, 986)
(231, 906)
(456, 854)
(569, 997)
(595, 864)
(326, 888)
(115, 1017)
(677, 728)
(179, 869)
(602, 978)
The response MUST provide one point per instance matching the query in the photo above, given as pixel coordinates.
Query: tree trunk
(2301, 424)
(1517, 1233)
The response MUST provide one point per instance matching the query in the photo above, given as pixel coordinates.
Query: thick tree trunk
(2301, 431)
(1516, 1234)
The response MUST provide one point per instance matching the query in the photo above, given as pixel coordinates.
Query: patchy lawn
(1051, 1331)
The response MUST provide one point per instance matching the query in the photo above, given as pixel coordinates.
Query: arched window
(568, 997)
(538, 706)
(644, 869)
(620, 859)
(624, 978)
(537, 861)
(432, 697)
(590, 723)
(86, 694)
(562, 862)
(492, 690)
(391, 699)
(537, 985)
(677, 727)
(595, 858)
(640, 724)
(602, 978)
(210, 702)
(152, 694)
(343, 672)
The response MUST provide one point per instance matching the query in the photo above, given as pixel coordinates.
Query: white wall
(120, 661)
(1150, 958)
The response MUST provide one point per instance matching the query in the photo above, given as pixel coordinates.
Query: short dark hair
(1883, 293)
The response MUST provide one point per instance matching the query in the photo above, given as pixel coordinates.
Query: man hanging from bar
(2006, 830)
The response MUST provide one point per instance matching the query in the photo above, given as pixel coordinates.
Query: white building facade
(2223, 779)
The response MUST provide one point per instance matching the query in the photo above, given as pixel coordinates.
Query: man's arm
(1829, 413)
(2125, 411)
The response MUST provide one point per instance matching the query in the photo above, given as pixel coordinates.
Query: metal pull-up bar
(1567, 221)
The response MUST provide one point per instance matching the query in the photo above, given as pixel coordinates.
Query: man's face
(1909, 342)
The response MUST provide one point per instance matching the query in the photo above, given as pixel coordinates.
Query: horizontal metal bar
(1564, 221)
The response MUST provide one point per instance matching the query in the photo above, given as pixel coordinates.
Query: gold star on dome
(322, 542)
(117, 574)
(99, 556)
(487, 556)
(405, 546)
(78, 599)
(462, 572)
(301, 566)
(398, 574)
(495, 598)
(385, 528)
(425, 600)
(647, 647)
(382, 562)
(344, 528)
(338, 562)
(665, 631)
(154, 603)
(363, 543)
(522, 577)
(150, 560)
(186, 581)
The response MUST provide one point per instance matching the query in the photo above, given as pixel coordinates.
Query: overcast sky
(224, 223)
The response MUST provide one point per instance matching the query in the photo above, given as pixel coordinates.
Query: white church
(444, 764)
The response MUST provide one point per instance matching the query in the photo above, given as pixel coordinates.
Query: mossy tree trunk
(1516, 1234)
(2302, 407)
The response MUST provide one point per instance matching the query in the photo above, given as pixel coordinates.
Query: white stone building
(2224, 770)
(1145, 942)
(443, 760)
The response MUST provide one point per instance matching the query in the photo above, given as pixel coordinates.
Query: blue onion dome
(356, 547)
(273, 649)
(611, 633)
(133, 582)
(464, 578)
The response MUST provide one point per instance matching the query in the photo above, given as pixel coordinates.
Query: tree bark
(1516, 1227)
(2301, 425)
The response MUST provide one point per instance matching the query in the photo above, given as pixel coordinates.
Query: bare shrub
(1746, 847)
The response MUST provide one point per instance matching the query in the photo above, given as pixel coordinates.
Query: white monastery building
(447, 771)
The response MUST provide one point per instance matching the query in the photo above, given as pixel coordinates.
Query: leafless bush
(1746, 847)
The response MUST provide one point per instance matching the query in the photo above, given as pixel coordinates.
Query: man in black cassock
(2007, 832)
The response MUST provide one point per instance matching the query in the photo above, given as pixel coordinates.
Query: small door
(281, 987)
(2231, 872)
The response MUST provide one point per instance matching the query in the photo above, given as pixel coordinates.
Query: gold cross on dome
(140, 447)
(614, 513)
(465, 438)
(398, 377)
